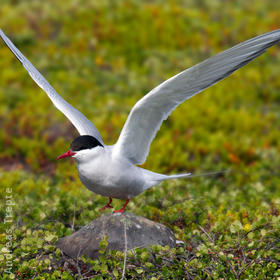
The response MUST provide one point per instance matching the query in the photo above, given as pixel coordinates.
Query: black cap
(84, 142)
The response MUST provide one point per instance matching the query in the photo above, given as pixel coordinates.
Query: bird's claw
(108, 205)
(119, 211)
(105, 207)
(123, 208)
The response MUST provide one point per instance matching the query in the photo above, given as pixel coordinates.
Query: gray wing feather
(82, 124)
(149, 112)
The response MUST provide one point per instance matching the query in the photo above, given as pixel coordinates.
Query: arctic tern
(112, 171)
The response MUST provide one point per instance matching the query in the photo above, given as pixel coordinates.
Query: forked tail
(175, 176)
(189, 175)
(156, 178)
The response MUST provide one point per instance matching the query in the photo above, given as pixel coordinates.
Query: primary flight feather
(111, 170)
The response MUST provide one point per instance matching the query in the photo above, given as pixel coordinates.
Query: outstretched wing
(149, 112)
(82, 124)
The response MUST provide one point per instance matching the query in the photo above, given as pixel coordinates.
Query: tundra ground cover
(102, 57)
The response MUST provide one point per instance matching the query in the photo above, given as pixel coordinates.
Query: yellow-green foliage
(103, 56)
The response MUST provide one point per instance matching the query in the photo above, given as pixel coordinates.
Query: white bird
(111, 171)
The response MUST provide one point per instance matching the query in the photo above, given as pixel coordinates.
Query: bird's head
(82, 147)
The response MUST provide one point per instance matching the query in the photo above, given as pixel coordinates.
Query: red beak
(67, 154)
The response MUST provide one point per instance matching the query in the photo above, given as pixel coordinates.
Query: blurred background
(102, 56)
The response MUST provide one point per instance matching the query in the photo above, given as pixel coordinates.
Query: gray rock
(140, 232)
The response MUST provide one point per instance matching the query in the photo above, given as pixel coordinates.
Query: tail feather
(153, 178)
(156, 178)
(190, 175)
(175, 176)
(210, 173)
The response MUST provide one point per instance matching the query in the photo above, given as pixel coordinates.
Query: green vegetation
(103, 56)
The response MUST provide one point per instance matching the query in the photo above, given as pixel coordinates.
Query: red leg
(108, 205)
(122, 209)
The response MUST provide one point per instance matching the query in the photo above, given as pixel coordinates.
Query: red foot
(123, 208)
(119, 211)
(108, 205)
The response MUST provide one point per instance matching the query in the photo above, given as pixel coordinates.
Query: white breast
(109, 176)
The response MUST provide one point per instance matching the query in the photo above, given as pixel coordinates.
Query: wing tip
(2, 34)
